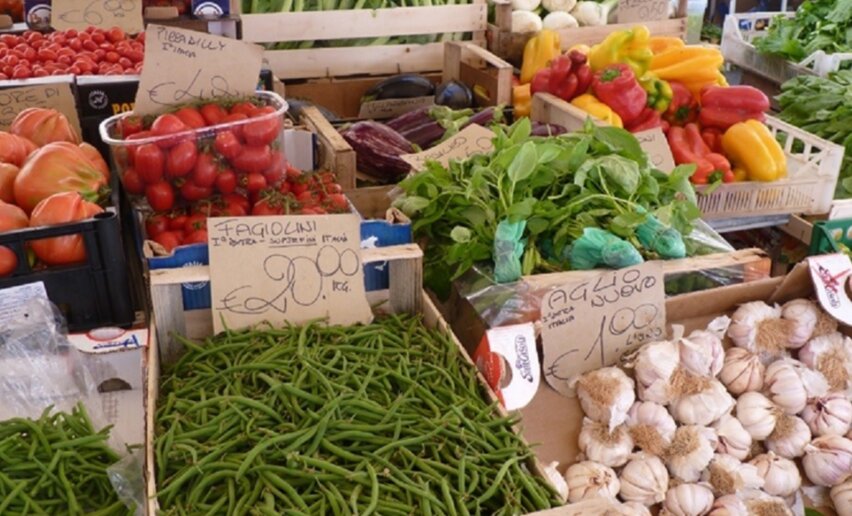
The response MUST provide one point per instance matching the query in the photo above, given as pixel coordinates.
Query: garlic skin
(829, 415)
(589, 479)
(729, 505)
(757, 414)
(780, 476)
(789, 384)
(832, 356)
(600, 445)
(556, 480)
(804, 315)
(651, 426)
(726, 475)
(606, 395)
(828, 460)
(841, 496)
(644, 480)
(704, 407)
(690, 452)
(742, 371)
(789, 438)
(634, 509)
(688, 500)
(701, 353)
(733, 439)
(759, 328)
(655, 364)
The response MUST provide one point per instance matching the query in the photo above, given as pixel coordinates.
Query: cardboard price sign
(389, 108)
(473, 139)
(286, 269)
(79, 14)
(56, 96)
(183, 66)
(630, 11)
(655, 145)
(830, 274)
(588, 325)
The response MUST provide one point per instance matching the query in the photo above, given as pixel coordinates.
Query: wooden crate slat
(363, 23)
(347, 61)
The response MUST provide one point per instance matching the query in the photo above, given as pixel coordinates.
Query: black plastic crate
(92, 294)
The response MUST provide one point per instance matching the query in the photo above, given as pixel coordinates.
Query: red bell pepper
(688, 147)
(722, 107)
(648, 119)
(562, 82)
(617, 87)
(566, 77)
(582, 70)
(541, 81)
(683, 108)
(713, 138)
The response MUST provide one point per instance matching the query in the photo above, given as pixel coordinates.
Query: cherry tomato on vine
(161, 196)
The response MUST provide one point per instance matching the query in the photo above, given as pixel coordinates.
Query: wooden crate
(462, 61)
(169, 318)
(362, 23)
(335, 154)
(510, 45)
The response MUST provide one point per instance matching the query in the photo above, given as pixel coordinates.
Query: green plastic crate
(829, 235)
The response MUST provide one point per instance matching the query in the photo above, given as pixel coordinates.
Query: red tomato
(205, 171)
(169, 240)
(195, 222)
(308, 197)
(132, 182)
(156, 224)
(275, 172)
(333, 188)
(338, 202)
(8, 172)
(293, 173)
(213, 113)
(130, 125)
(236, 117)
(299, 187)
(191, 117)
(115, 35)
(255, 182)
(181, 159)
(267, 206)
(246, 108)
(227, 144)
(168, 124)
(236, 204)
(253, 159)
(262, 131)
(161, 196)
(192, 192)
(176, 221)
(11, 217)
(57, 209)
(150, 163)
(196, 237)
(226, 181)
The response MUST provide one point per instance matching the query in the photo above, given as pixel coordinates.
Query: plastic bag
(508, 249)
(598, 247)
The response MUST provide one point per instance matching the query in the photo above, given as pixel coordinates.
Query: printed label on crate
(389, 108)
(589, 324)
(56, 95)
(655, 145)
(183, 67)
(286, 269)
(79, 14)
(508, 354)
(636, 11)
(474, 139)
(14, 301)
(830, 274)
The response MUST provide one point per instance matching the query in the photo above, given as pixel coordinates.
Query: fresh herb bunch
(823, 106)
(818, 25)
(599, 178)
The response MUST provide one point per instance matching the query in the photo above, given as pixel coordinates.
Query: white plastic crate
(740, 29)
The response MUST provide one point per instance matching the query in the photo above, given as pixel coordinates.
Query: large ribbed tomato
(11, 217)
(58, 167)
(43, 126)
(8, 173)
(96, 158)
(58, 209)
(14, 149)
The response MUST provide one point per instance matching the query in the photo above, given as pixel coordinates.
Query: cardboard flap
(797, 283)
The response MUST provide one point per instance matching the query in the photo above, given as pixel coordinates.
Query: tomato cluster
(90, 52)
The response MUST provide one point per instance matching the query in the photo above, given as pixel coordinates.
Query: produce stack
(696, 429)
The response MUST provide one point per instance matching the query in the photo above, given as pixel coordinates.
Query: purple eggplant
(410, 120)
(486, 117)
(540, 129)
(378, 149)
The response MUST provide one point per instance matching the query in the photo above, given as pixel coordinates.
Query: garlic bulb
(606, 395)
(729, 505)
(789, 438)
(803, 314)
(759, 328)
(727, 475)
(704, 407)
(589, 479)
(841, 495)
(757, 414)
(557, 480)
(634, 509)
(644, 480)
(742, 371)
(829, 414)
(733, 439)
(758, 502)
(651, 426)
(655, 364)
(690, 452)
(701, 353)
(780, 476)
(688, 500)
(828, 460)
(832, 356)
(600, 445)
(789, 384)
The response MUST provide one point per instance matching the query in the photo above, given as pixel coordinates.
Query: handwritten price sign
(79, 14)
(474, 139)
(183, 66)
(286, 269)
(588, 325)
(630, 11)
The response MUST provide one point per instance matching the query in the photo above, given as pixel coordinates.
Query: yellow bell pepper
(750, 146)
(679, 55)
(661, 44)
(740, 175)
(522, 99)
(630, 47)
(591, 105)
(538, 52)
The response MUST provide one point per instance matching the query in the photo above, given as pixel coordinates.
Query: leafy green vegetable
(823, 106)
(559, 186)
(818, 25)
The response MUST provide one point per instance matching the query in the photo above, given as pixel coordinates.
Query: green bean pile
(386, 418)
(56, 465)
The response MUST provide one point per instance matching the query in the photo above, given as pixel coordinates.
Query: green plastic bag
(598, 247)
(508, 250)
(660, 238)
